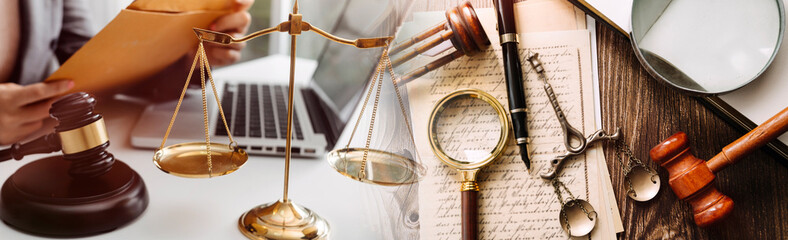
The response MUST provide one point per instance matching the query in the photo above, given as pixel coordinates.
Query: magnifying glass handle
(470, 211)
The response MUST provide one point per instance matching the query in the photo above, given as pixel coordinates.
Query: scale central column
(285, 219)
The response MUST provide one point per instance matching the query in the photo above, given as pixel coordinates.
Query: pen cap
(505, 11)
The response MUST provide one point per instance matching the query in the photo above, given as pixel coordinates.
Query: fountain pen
(504, 9)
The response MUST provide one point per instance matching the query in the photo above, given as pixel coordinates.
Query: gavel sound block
(83, 192)
(692, 179)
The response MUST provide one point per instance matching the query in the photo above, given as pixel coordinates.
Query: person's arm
(9, 26)
(23, 109)
(235, 24)
(76, 29)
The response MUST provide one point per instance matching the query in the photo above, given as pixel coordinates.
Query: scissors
(569, 131)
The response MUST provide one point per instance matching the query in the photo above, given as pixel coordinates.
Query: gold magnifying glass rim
(503, 119)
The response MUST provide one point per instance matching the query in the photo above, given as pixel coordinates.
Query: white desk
(209, 208)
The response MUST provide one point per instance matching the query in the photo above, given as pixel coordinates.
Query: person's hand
(23, 109)
(235, 24)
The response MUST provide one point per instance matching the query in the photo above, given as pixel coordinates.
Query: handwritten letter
(513, 204)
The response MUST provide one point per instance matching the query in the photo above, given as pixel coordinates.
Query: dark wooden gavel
(692, 179)
(84, 191)
(463, 29)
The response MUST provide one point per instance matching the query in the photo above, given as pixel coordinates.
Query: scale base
(43, 199)
(282, 220)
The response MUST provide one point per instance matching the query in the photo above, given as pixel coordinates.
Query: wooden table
(648, 112)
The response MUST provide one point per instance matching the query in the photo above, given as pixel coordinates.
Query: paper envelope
(138, 44)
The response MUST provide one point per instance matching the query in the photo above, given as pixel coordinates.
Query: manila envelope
(138, 44)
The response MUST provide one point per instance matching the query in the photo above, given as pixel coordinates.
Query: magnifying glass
(706, 46)
(468, 129)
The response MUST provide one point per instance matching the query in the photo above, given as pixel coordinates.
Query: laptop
(254, 94)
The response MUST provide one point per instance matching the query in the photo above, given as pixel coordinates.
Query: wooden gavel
(464, 30)
(83, 191)
(692, 179)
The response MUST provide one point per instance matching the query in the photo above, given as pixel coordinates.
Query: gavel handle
(422, 48)
(45, 144)
(429, 67)
(764, 133)
(418, 38)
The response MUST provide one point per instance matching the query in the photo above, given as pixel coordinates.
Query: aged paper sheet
(542, 16)
(514, 204)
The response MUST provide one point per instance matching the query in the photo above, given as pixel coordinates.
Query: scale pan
(383, 168)
(577, 220)
(643, 183)
(189, 159)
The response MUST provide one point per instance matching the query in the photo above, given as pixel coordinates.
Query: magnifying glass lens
(706, 46)
(467, 129)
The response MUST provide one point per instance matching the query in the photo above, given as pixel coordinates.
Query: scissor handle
(569, 131)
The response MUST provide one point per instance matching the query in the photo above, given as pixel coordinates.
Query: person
(36, 32)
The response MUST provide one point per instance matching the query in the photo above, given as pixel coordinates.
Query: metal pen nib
(525, 155)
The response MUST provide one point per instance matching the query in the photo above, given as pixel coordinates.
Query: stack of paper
(514, 203)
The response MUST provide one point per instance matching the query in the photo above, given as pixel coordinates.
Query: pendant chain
(205, 68)
(623, 149)
(376, 85)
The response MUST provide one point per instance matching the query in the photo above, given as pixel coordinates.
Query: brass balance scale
(284, 219)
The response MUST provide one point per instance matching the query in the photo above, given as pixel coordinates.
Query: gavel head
(83, 136)
(692, 180)
(468, 35)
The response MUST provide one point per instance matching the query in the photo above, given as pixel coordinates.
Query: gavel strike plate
(644, 185)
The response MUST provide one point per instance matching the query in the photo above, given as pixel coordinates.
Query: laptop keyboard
(227, 106)
(268, 114)
(239, 115)
(268, 120)
(254, 110)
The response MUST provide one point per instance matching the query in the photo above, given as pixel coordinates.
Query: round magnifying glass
(706, 46)
(468, 129)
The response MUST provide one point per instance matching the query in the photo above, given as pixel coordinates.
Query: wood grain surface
(649, 112)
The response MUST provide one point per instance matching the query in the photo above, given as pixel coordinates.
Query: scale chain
(557, 185)
(202, 59)
(623, 148)
(363, 106)
(216, 97)
(180, 100)
(380, 71)
(399, 98)
(205, 115)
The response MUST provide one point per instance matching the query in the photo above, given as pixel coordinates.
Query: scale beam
(224, 38)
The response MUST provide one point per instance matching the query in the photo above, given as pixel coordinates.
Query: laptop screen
(342, 70)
